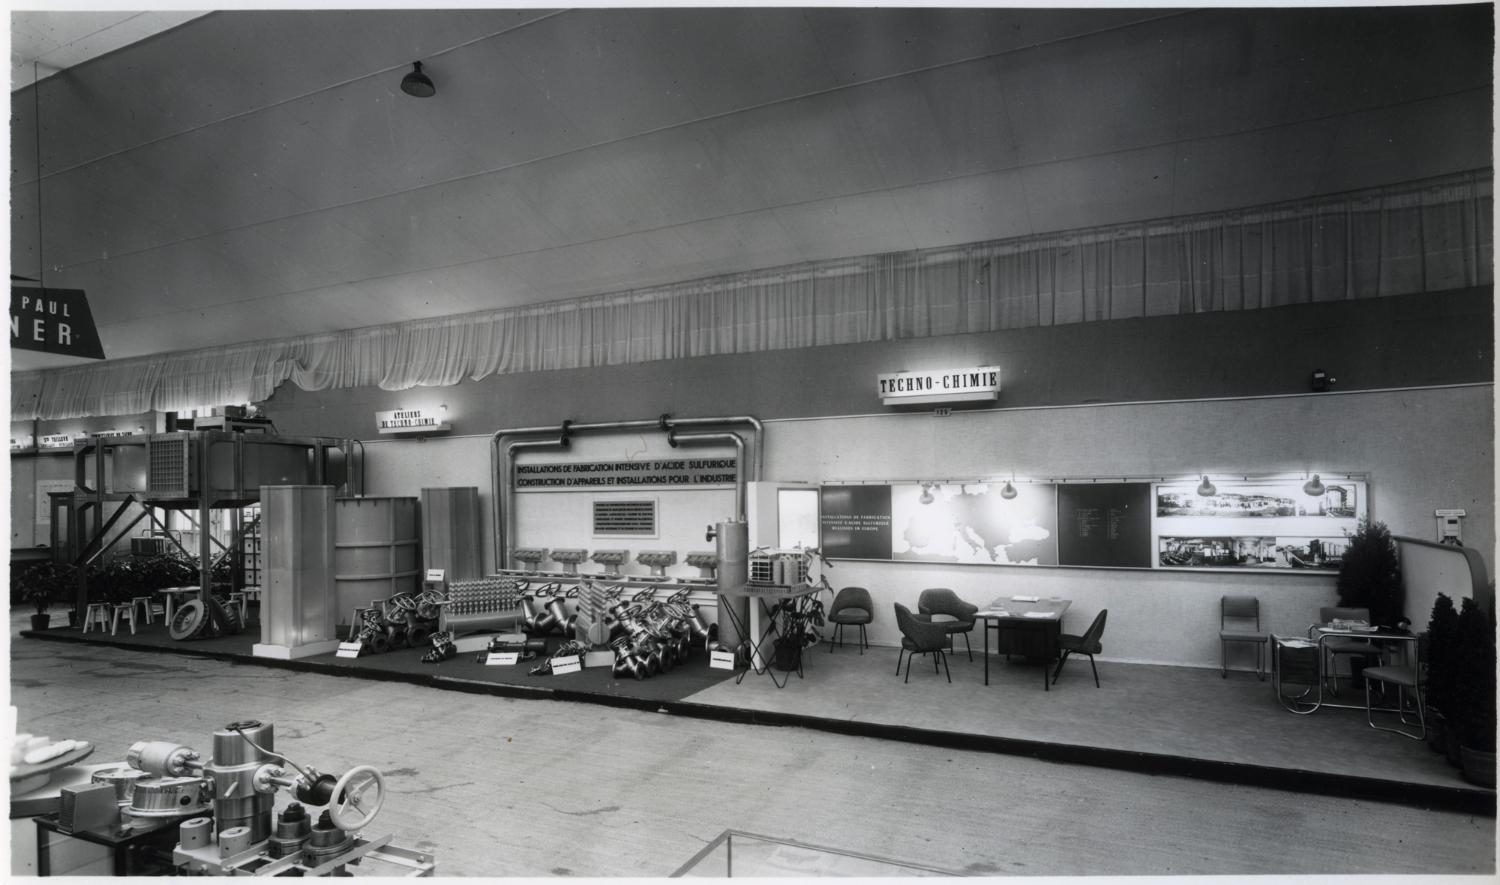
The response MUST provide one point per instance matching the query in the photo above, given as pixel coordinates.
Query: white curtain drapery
(1420, 237)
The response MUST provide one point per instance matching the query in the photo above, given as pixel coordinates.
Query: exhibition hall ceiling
(250, 175)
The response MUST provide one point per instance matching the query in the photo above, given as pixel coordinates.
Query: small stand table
(1024, 625)
(769, 595)
(171, 594)
(1300, 660)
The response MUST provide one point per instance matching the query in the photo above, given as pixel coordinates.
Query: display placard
(569, 475)
(566, 664)
(502, 659)
(721, 660)
(434, 576)
(854, 522)
(1104, 524)
(349, 649)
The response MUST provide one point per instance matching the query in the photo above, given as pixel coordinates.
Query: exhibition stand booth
(646, 564)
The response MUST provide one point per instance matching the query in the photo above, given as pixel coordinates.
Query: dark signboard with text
(53, 321)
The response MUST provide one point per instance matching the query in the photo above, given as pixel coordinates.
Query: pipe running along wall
(502, 473)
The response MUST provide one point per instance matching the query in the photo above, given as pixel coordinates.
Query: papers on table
(1295, 642)
(994, 613)
(1041, 614)
(1025, 599)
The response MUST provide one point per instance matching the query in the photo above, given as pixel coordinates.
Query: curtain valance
(1421, 237)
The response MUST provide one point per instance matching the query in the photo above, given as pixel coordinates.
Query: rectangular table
(1024, 625)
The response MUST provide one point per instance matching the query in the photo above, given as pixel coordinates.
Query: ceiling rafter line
(851, 264)
(35, 81)
(624, 138)
(790, 205)
(300, 96)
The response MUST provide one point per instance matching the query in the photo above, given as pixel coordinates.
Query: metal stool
(145, 603)
(96, 613)
(128, 610)
(238, 598)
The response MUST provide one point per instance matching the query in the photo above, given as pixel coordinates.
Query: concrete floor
(498, 786)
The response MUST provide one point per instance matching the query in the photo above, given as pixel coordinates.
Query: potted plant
(1442, 639)
(1474, 693)
(1370, 574)
(43, 584)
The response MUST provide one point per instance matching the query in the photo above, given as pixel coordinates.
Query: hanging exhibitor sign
(625, 474)
(53, 321)
(408, 421)
(940, 386)
(56, 441)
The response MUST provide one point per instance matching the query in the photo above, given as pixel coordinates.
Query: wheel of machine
(234, 623)
(417, 636)
(357, 797)
(188, 621)
(380, 642)
(218, 619)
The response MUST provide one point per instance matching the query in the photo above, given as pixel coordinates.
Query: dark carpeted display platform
(462, 672)
(1155, 720)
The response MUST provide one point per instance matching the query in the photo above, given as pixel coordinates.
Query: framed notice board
(1104, 524)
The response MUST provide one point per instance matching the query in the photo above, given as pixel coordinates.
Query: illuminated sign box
(409, 421)
(940, 386)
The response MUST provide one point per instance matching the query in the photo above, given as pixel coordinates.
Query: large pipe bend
(674, 439)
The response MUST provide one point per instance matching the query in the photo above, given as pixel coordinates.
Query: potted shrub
(1442, 639)
(1474, 693)
(43, 584)
(1370, 574)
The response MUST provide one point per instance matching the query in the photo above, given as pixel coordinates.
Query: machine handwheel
(188, 620)
(353, 807)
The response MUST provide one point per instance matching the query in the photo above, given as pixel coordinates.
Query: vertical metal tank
(236, 804)
(733, 550)
(377, 550)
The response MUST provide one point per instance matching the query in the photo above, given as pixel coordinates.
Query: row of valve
(649, 635)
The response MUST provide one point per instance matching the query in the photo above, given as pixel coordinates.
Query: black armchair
(942, 601)
(851, 607)
(920, 636)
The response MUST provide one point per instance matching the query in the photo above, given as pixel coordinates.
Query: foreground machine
(239, 833)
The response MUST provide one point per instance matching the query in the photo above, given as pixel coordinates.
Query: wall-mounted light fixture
(417, 83)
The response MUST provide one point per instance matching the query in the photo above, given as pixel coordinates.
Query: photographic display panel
(973, 523)
(1255, 525)
(1268, 525)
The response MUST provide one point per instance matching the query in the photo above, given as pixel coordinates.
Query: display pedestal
(291, 653)
(297, 612)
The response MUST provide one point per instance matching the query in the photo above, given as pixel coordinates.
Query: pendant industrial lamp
(417, 83)
(1206, 488)
(1008, 491)
(1314, 487)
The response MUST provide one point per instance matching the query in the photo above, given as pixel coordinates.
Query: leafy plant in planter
(43, 584)
(1370, 574)
(1474, 692)
(799, 626)
(1442, 672)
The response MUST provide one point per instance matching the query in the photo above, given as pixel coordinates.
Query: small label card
(502, 659)
(721, 660)
(435, 575)
(566, 664)
(349, 649)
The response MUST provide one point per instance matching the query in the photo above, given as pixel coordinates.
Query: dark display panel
(1104, 524)
(855, 522)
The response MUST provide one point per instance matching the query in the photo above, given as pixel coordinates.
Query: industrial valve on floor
(241, 781)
